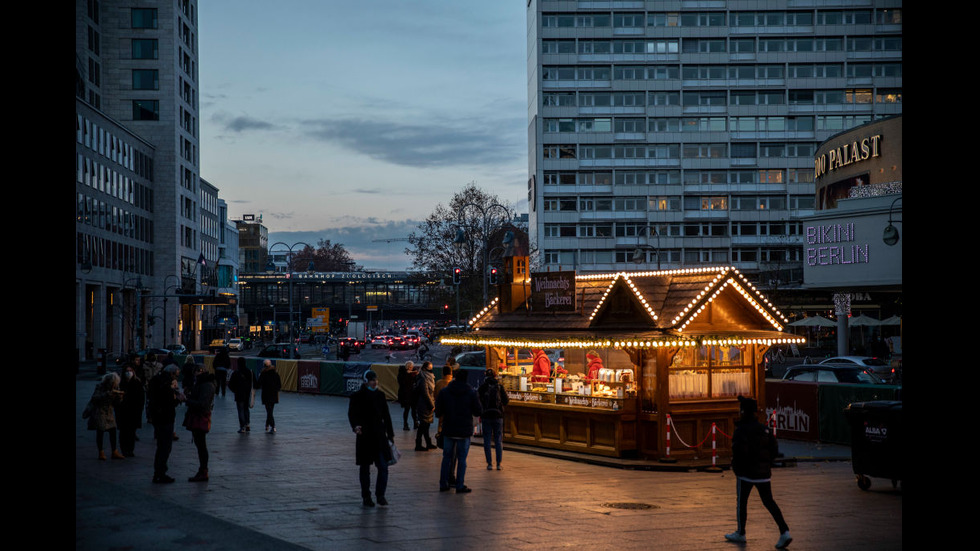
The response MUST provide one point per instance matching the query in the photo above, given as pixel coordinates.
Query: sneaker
(368, 502)
(498, 466)
(464, 490)
(382, 501)
(784, 540)
(163, 479)
(735, 537)
(489, 467)
(241, 430)
(273, 429)
(248, 428)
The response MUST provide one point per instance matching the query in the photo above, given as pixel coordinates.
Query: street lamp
(488, 225)
(639, 255)
(289, 275)
(890, 235)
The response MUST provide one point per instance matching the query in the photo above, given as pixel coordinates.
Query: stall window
(711, 372)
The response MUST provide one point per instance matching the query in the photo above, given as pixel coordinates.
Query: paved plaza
(298, 489)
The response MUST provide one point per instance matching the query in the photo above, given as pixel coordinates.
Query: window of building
(145, 48)
(663, 46)
(146, 110)
(146, 79)
(664, 98)
(144, 18)
(663, 19)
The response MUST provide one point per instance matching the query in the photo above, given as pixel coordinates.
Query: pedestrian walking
(754, 448)
(493, 398)
(103, 417)
(270, 383)
(457, 404)
(425, 386)
(163, 395)
(371, 421)
(222, 363)
(129, 410)
(406, 385)
(200, 402)
(242, 385)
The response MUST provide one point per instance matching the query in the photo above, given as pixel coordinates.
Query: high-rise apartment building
(666, 134)
(137, 91)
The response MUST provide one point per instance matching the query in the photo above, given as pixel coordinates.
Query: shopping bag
(394, 454)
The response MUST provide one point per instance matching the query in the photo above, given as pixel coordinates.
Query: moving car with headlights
(236, 344)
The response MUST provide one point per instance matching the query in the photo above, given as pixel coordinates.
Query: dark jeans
(365, 475)
(493, 437)
(99, 439)
(200, 441)
(410, 410)
(220, 381)
(423, 432)
(743, 489)
(164, 435)
(454, 448)
(270, 421)
(244, 415)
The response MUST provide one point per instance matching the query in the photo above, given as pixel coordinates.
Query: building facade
(253, 244)
(137, 108)
(673, 134)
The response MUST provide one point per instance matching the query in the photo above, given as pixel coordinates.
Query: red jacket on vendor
(542, 367)
(595, 364)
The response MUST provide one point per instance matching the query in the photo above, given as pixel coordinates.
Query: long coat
(368, 409)
(129, 412)
(103, 414)
(270, 383)
(425, 387)
(406, 383)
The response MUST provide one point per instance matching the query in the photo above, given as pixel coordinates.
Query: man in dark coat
(493, 398)
(241, 384)
(457, 404)
(163, 397)
(371, 422)
(753, 450)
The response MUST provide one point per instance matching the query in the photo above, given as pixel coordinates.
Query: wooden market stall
(625, 353)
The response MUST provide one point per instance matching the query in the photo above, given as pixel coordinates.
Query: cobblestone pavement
(298, 489)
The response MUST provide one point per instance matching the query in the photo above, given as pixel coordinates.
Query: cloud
(364, 238)
(478, 143)
(280, 215)
(242, 123)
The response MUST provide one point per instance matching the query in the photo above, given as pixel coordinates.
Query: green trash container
(876, 441)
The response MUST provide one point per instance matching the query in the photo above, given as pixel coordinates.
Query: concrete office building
(137, 89)
(671, 134)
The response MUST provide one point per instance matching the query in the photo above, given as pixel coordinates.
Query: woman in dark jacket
(426, 402)
(200, 402)
(129, 411)
(270, 383)
(371, 422)
(406, 384)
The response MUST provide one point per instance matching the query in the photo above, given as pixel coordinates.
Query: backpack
(490, 399)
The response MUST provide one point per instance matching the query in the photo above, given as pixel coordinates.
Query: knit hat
(370, 376)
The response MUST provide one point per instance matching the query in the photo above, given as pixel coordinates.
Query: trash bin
(876, 441)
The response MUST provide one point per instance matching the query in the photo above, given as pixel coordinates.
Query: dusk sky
(351, 121)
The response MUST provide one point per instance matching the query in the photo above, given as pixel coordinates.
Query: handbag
(198, 421)
(393, 454)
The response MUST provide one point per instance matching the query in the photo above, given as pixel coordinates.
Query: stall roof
(646, 307)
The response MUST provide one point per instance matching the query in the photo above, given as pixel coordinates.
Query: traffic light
(457, 275)
(493, 276)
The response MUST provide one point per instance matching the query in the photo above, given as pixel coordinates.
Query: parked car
(217, 344)
(877, 366)
(830, 373)
(177, 349)
(236, 344)
(472, 359)
(280, 350)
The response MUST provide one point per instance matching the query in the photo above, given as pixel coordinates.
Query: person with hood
(270, 383)
(406, 386)
(103, 417)
(458, 404)
(242, 385)
(370, 420)
(754, 448)
(425, 385)
(542, 366)
(493, 398)
(200, 402)
(163, 395)
(222, 362)
(594, 365)
(129, 411)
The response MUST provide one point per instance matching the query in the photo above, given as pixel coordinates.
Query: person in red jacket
(542, 366)
(595, 364)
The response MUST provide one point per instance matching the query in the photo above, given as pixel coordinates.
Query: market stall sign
(553, 291)
(584, 401)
